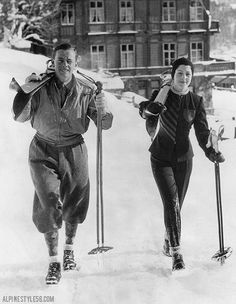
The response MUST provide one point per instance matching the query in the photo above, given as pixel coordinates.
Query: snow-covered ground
(135, 271)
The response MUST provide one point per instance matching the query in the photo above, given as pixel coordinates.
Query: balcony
(154, 26)
(114, 28)
(184, 26)
(211, 68)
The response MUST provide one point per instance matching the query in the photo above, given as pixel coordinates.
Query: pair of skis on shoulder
(33, 86)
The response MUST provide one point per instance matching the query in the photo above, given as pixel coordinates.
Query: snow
(224, 53)
(110, 81)
(135, 271)
(132, 97)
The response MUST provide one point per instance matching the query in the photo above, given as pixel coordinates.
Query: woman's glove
(152, 109)
(214, 156)
(155, 108)
(142, 107)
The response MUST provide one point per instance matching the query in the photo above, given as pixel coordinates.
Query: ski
(32, 86)
(27, 90)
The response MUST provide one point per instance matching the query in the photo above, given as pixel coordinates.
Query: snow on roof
(98, 33)
(21, 43)
(197, 31)
(127, 32)
(169, 31)
(35, 36)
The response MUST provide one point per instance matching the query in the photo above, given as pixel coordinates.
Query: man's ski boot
(177, 261)
(54, 273)
(166, 248)
(69, 260)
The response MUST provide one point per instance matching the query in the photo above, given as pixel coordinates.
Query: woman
(171, 150)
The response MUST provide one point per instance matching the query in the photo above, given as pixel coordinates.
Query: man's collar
(68, 86)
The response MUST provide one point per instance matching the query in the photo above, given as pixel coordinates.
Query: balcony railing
(186, 26)
(153, 26)
(215, 68)
(205, 68)
(114, 27)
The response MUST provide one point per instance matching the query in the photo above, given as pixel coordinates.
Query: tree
(28, 19)
(225, 13)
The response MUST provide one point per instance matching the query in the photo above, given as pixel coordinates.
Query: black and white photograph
(118, 151)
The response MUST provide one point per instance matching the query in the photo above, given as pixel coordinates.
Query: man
(60, 112)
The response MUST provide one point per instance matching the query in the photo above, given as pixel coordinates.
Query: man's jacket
(61, 120)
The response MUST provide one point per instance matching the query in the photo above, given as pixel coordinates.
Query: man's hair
(65, 47)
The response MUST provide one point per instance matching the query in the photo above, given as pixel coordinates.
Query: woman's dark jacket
(191, 112)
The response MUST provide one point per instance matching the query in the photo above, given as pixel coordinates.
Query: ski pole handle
(100, 101)
(99, 87)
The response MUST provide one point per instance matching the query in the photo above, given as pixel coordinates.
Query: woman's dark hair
(181, 61)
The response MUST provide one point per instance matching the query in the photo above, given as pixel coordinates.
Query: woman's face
(182, 77)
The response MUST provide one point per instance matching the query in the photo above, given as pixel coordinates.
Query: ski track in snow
(135, 271)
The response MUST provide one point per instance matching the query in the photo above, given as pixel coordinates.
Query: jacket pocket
(189, 115)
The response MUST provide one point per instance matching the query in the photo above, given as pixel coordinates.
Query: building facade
(138, 39)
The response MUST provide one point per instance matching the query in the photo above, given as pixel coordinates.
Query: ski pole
(219, 208)
(223, 253)
(101, 179)
(99, 184)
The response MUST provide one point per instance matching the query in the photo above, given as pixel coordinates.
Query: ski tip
(14, 85)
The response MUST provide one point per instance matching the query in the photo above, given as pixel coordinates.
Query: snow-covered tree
(28, 19)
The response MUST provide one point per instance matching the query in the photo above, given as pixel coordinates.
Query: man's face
(65, 62)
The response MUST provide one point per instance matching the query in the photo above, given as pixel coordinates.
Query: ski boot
(177, 261)
(69, 260)
(54, 273)
(166, 248)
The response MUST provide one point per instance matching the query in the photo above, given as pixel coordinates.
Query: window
(196, 10)
(126, 11)
(96, 12)
(168, 11)
(98, 56)
(127, 55)
(196, 51)
(67, 14)
(169, 53)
